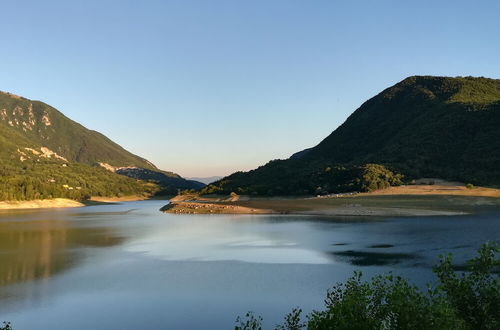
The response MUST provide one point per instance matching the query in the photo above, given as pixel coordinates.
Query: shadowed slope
(423, 126)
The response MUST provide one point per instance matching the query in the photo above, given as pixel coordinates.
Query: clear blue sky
(210, 87)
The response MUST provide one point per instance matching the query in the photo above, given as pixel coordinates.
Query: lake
(129, 266)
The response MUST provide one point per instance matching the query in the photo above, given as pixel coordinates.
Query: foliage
(292, 178)
(250, 322)
(462, 300)
(45, 178)
(292, 321)
(374, 177)
(474, 294)
(6, 326)
(387, 302)
(476, 91)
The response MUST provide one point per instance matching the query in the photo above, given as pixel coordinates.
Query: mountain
(44, 126)
(424, 126)
(206, 180)
(162, 178)
(44, 154)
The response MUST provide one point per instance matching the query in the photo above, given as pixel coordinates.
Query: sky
(207, 88)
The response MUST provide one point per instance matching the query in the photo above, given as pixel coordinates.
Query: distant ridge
(206, 180)
(424, 126)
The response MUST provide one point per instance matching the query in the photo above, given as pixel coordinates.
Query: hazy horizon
(209, 88)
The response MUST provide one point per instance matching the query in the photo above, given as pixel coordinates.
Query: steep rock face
(42, 125)
(424, 126)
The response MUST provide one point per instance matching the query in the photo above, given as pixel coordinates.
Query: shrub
(375, 176)
(462, 300)
(250, 322)
(6, 326)
(475, 294)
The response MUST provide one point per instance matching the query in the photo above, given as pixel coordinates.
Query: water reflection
(156, 270)
(248, 239)
(40, 249)
(362, 258)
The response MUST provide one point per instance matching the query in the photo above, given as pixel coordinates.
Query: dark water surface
(128, 266)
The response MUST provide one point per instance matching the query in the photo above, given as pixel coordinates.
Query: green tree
(249, 322)
(6, 326)
(475, 294)
(467, 299)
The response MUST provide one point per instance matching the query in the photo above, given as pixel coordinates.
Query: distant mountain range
(206, 180)
(44, 154)
(424, 126)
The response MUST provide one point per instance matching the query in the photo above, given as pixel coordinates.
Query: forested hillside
(45, 126)
(423, 126)
(44, 154)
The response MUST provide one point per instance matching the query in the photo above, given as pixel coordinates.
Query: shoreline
(40, 204)
(402, 201)
(65, 202)
(437, 189)
(211, 208)
(117, 199)
(348, 210)
(411, 200)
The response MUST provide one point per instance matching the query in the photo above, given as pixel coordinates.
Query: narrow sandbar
(40, 204)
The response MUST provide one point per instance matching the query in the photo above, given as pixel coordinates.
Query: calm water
(129, 266)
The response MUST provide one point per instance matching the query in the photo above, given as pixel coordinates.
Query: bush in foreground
(462, 300)
(6, 326)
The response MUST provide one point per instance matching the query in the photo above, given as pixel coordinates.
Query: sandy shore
(416, 200)
(117, 199)
(64, 202)
(347, 210)
(40, 204)
(438, 189)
